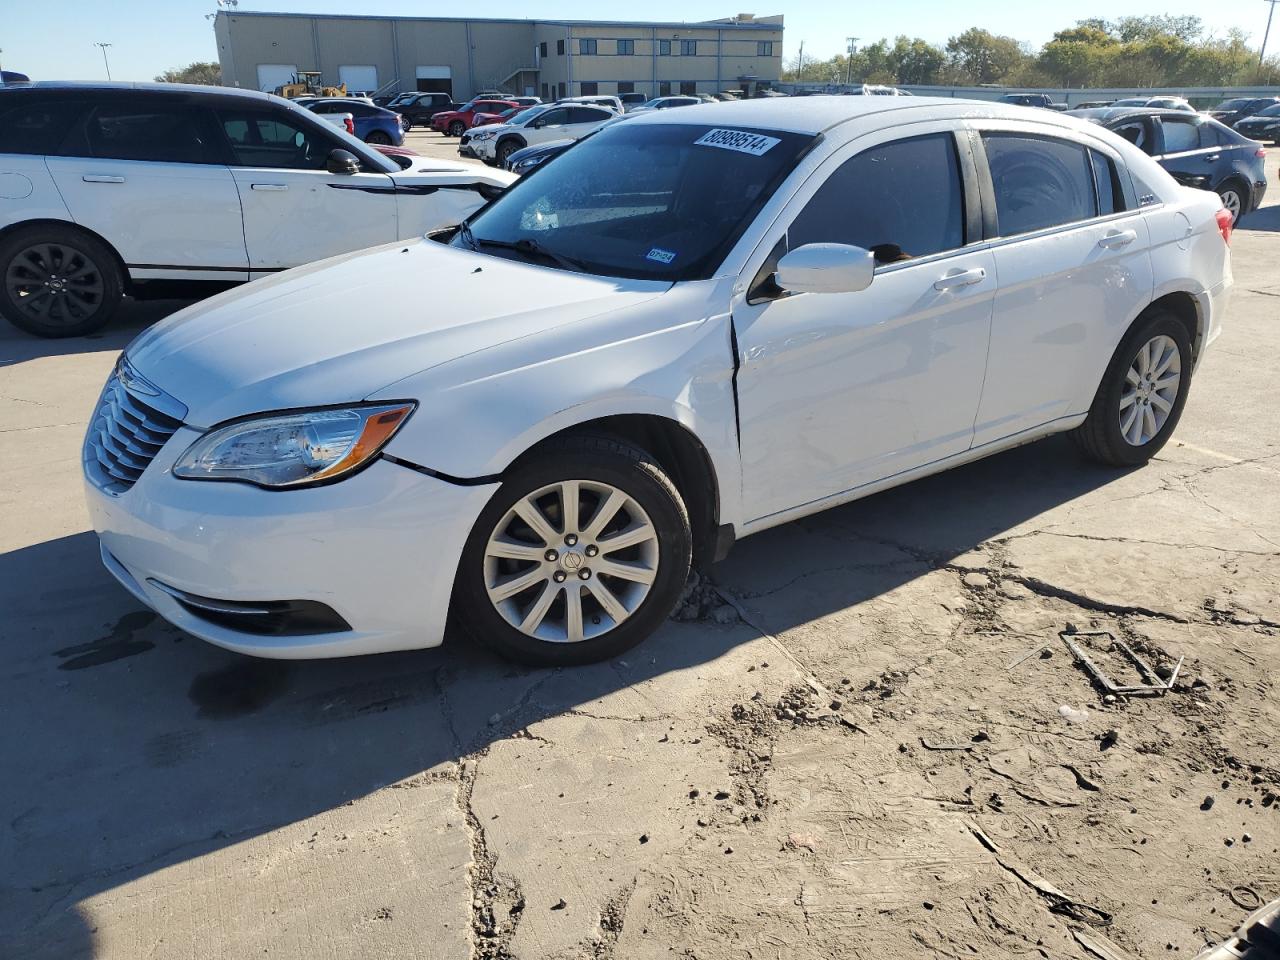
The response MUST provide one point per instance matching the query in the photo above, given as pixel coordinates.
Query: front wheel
(58, 282)
(580, 555)
(505, 150)
(1140, 399)
(457, 128)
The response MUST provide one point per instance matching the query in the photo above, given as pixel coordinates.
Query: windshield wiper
(529, 248)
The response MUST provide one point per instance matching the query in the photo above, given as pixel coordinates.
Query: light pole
(1271, 13)
(104, 57)
(848, 61)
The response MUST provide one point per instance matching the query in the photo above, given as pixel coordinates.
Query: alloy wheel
(1150, 390)
(54, 283)
(1231, 200)
(571, 561)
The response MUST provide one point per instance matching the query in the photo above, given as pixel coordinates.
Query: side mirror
(826, 268)
(342, 161)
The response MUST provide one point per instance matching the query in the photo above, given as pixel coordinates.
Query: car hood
(338, 330)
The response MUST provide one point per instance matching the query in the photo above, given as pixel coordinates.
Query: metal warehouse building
(546, 58)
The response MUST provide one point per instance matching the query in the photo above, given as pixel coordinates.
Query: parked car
(484, 119)
(151, 190)
(666, 103)
(1236, 109)
(419, 108)
(525, 101)
(1263, 125)
(457, 122)
(631, 100)
(1032, 100)
(1156, 103)
(1199, 152)
(610, 102)
(372, 124)
(1092, 104)
(527, 159)
(495, 143)
(343, 121)
(875, 90)
(691, 327)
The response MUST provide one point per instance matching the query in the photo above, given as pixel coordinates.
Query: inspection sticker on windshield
(662, 256)
(737, 140)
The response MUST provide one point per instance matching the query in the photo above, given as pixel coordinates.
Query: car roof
(119, 86)
(813, 115)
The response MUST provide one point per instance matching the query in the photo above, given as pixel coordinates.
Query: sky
(54, 40)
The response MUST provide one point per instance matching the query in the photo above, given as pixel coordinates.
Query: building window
(688, 48)
(626, 86)
(560, 48)
(764, 48)
(626, 48)
(664, 88)
(590, 88)
(688, 88)
(587, 48)
(542, 49)
(560, 90)
(664, 48)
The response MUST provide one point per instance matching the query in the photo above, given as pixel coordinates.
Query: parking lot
(861, 737)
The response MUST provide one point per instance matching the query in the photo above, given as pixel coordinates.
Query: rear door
(295, 211)
(1071, 254)
(1191, 159)
(148, 172)
(582, 120)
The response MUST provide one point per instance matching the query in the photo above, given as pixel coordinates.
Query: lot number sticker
(660, 255)
(738, 141)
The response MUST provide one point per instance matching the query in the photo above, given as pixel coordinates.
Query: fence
(1200, 97)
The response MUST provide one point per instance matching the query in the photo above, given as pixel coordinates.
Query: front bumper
(380, 549)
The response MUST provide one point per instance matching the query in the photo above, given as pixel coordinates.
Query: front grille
(128, 430)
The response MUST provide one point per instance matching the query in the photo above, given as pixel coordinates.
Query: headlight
(482, 134)
(293, 449)
(529, 163)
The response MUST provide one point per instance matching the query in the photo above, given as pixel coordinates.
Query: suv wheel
(58, 282)
(457, 128)
(1141, 396)
(580, 555)
(505, 149)
(377, 136)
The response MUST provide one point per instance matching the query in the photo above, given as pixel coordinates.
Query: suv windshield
(1271, 111)
(527, 114)
(656, 202)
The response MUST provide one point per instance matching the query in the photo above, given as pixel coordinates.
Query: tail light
(1261, 153)
(350, 125)
(1225, 222)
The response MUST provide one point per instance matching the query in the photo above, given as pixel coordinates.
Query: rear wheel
(1140, 399)
(379, 137)
(58, 282)
(580, 555)
(457, 128)
(1233, 198)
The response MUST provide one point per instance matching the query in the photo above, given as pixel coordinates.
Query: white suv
(153, 190)
(495, 142)
(692, 326)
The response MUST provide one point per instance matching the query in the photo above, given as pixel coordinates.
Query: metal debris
(1154, 685)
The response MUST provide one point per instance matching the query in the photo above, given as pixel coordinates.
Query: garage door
(435, 79)
(362, 77)
(272, 75)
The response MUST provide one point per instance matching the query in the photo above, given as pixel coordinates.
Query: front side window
(271, 140)
(159, 132)
(688, 48)
(37, 127)
(1135, 131)
(648, 202)
(626, 48)
(1039, 182)
(587, 47)
(900, 200)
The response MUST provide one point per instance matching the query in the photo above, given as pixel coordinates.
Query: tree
(917, 61)
(983, 57)
(209, 74)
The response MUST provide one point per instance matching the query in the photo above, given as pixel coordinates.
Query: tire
(377, 136)
(505, 149)
(1235, 198)
(76, 304)
(457, 128)
(1102, 437)
(527, 626)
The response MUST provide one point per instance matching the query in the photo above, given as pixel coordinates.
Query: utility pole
(104, 57)
(848, 60)
(1263, 52)
(800, 64)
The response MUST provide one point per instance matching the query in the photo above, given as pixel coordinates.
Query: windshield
(1271, 111)
(1131, 102)
(1231, 104)
(654, 102)
(467, 106)
(657, 202)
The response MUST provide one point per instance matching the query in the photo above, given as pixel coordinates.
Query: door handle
(101, 178)
(277, 187)
(1213, 157)
(960, 278)
(1118, 238)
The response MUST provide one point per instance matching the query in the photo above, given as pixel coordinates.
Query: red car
(457, 122)
(484, 119)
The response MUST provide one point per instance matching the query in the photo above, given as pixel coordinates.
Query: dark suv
(419, 108)
(1233, 111)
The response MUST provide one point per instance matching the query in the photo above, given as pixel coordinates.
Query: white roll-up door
(358, 76)
(272, 75)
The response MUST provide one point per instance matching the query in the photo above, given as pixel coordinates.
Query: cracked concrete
(871, 761)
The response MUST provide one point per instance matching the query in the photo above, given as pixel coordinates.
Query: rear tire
(378, 137)
(57, 281)
(1235, 198)
(1128, 422)
(571, 609)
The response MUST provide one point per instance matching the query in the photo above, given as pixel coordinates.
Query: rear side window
(154, 131)
(900, 200)
(1180, 135)
(1039, 182)
(37, 126)
(586, 115)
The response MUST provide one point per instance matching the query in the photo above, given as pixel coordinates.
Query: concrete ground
(857, 748)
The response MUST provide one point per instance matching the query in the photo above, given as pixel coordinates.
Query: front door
(295, 211)
(840, 390)
(141, 170)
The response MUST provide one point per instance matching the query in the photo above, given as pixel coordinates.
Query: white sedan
(691, 327)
